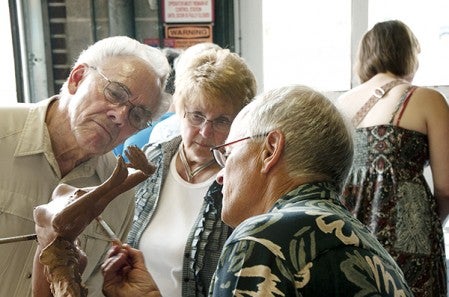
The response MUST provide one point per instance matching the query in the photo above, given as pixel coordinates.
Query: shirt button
(28, 275)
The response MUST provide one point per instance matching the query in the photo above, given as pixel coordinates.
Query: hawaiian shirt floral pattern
(307, 245)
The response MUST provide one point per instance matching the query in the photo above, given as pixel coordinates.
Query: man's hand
(125, 274)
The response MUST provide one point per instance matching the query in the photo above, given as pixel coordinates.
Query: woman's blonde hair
(218, 75)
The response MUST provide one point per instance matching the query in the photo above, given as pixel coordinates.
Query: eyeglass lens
(219, 157)
(220, 124)
(139, 117)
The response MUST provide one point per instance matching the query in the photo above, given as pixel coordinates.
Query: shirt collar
(34, 137)
(309, 191)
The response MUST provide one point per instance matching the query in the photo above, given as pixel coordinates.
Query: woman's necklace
(191, 174)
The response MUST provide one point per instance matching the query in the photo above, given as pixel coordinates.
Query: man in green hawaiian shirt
(288, 154)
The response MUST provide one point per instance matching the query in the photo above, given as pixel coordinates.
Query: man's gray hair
(318, 140)
(98, 53)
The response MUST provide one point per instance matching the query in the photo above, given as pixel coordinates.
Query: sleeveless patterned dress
(387, 191)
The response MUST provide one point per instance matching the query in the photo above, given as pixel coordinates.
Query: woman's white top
(163, 242)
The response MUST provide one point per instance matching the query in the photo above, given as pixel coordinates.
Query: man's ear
(75, 77)
(273, 149)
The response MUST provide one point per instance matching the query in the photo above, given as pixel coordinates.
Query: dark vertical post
(224, 24)
(15, 31)
(121, 18)
(161, 23)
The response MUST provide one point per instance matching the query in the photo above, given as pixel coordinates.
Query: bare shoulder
(429, 96)
(352, 100)
(431, 102)
(348, 96)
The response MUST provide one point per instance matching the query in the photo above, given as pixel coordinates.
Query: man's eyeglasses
(220, 154)
(196, 119)
(118, 94)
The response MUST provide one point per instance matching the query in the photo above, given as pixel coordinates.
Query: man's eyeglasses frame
(220, 156)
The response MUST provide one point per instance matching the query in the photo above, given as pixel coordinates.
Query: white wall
(249, 35)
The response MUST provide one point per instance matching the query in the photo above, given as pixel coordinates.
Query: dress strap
(379, 93)
(403, 104)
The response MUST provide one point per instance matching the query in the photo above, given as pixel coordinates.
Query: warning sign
(192, 11)
(188, 32)
(182, 36)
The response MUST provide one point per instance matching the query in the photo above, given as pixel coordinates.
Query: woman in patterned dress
(399, 129)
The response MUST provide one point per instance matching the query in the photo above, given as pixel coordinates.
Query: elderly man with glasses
(114, 89)
(287, 156)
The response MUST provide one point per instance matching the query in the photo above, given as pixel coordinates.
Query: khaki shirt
(28, 175)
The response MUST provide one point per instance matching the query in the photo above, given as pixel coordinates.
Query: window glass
(429, 21)
(7, 77)
(307, 42)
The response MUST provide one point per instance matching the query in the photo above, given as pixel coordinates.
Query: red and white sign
(190, 11)
(183, 36)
